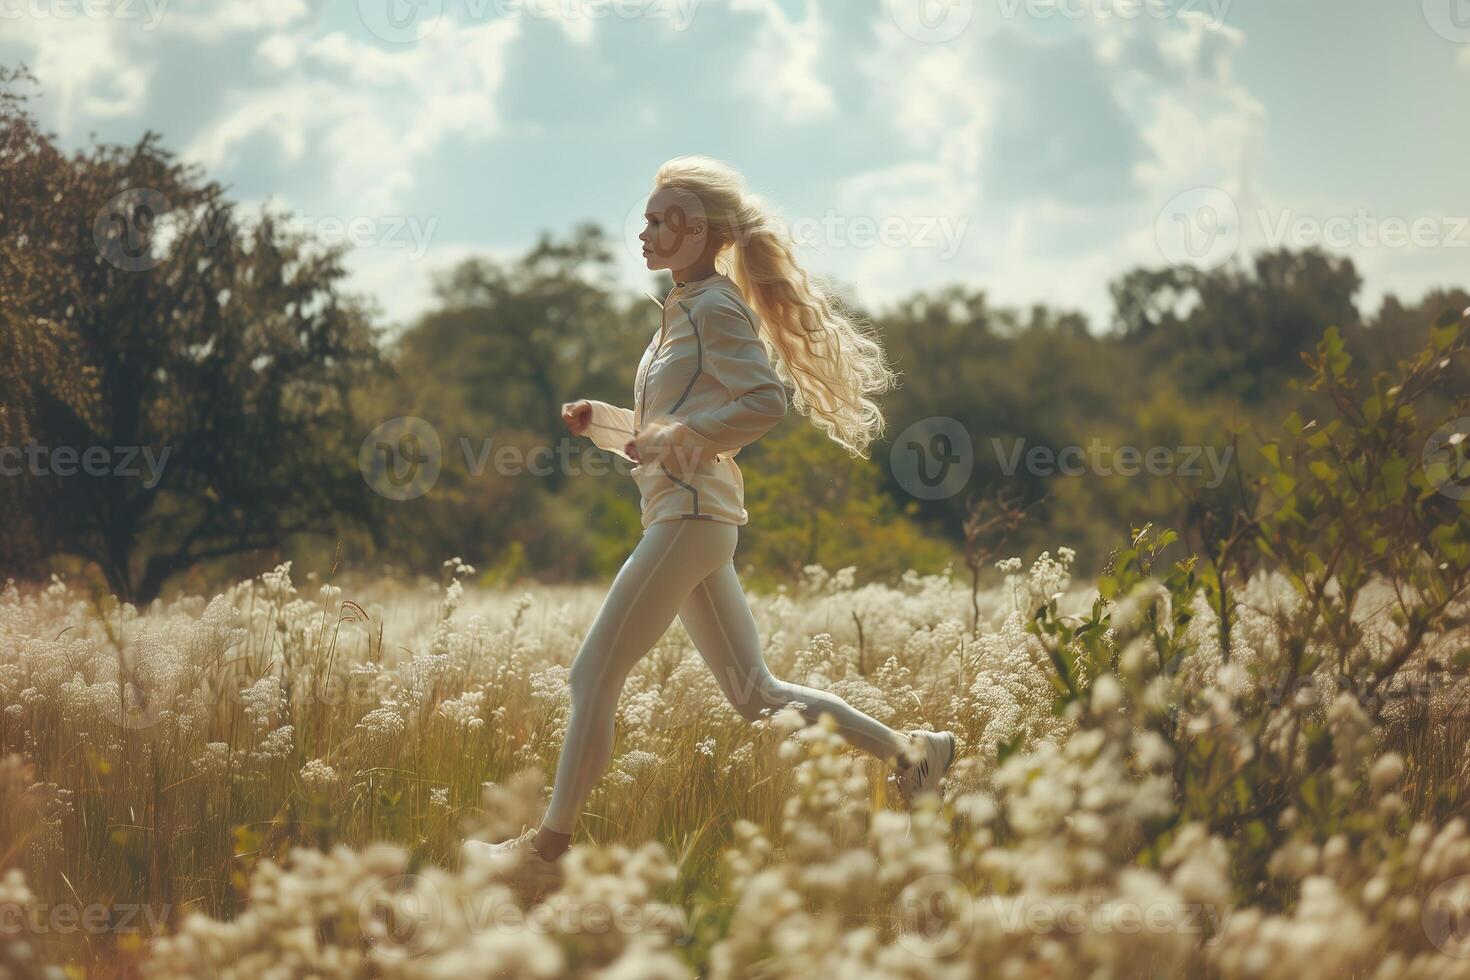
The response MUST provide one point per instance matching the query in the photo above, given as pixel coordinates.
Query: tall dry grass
(274, 782)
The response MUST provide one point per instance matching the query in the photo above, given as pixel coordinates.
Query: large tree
(176, 374)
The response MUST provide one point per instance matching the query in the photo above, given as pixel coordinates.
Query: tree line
(188, 392)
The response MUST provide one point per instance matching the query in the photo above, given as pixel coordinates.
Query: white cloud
(377, 115)
(86, 68)
(212, 20)
(401, 284)
(781, 69)
(1173, 83)
(279, 52)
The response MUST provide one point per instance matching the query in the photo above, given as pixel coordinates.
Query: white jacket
(705, 389)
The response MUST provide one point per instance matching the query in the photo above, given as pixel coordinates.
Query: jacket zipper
(643, 381)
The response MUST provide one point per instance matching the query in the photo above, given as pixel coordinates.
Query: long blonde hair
(822, 350)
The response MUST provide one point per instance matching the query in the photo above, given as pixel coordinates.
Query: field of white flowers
(274, 782)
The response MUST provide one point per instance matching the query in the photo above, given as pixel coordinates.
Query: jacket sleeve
(610, 427)
(733, 352)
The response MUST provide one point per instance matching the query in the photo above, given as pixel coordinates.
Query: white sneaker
(531, 875)
(933, 754)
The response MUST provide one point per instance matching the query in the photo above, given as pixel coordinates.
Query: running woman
(706, 388)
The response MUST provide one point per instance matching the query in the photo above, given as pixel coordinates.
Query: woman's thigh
(717, 617)
(645, 596)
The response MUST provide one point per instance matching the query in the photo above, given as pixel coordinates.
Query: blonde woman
(707, 387)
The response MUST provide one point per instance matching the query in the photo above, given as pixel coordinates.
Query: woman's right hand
(577, 415)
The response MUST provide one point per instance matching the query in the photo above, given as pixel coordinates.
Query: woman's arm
(610, 427)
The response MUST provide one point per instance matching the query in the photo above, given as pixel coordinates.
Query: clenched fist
(577, 415)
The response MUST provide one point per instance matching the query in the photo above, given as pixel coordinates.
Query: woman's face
(676, 233)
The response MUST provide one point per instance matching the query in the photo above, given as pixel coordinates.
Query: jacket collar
(694, 288)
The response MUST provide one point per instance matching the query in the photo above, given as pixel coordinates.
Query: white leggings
(684, 568)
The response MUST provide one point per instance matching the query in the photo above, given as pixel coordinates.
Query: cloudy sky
(1033, 148)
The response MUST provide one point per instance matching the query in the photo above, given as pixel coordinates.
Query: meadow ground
(280, 783)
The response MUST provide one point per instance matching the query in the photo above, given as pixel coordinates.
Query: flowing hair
(821, 349)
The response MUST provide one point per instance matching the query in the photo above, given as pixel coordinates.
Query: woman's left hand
(631, 451)
(669, 443)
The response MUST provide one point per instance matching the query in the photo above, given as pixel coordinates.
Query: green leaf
(1334, 354)
(1437, 472)
(1242, 792)
(1394, 475)
(1442, 335)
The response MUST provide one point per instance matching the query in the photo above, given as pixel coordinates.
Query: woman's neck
(693, 275)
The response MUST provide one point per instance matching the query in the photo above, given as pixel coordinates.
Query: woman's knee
(587, 678)
(765, 696)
